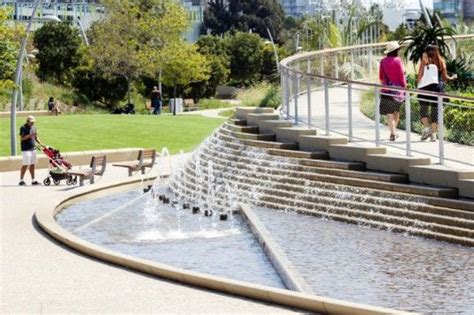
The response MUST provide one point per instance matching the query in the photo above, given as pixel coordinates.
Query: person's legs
(32, 171)
(23, 171)
(391, 123)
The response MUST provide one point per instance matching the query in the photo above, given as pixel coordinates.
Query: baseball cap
(30, 118)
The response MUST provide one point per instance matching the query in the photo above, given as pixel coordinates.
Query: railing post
(377, 117)
(296, 96)
(321, 64)
(336, 66)
(352, 64)
(326, 105)
(408, 121)
(349, 110)
(308, 81)
(370, 63)
(441, 129)
(288, 93)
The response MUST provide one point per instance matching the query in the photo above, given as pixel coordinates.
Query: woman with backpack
(392, 73)
(432, 76)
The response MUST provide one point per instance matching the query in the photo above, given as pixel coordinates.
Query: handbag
(430, 76)
(398, 96)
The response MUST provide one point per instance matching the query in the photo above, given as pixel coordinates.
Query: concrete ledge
(242, 112)
(394, 163)
(76, 158)
(27, 113)
(311, 143)
(351, 152)
(439, 175)
(293, 134)
(253, 119)
(45, 219)
(466, 188)
(269, 126)
(299, 154)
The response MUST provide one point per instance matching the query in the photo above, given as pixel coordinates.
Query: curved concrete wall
(45, 218)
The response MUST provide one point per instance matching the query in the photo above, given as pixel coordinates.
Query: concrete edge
(46, 220)
(279, 260)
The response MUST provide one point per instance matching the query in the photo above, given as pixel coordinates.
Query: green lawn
(92, 132)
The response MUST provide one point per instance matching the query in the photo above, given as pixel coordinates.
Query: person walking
(29, 137)
(392, 73)
(432, 75)
(156, 101)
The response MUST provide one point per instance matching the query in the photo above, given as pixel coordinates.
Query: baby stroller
(58, 168)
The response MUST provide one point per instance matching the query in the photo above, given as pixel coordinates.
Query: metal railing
(337, 92)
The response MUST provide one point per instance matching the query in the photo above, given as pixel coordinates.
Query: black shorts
(429, 104)
(388, 105)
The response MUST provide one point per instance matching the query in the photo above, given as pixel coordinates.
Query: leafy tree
(9, 47)
(58, 45)
(245, 15)
(182, 65)
(246, 63)
(130, 40)
(423, 35)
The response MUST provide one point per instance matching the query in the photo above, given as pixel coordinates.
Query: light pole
(18, 71)
(275, 51)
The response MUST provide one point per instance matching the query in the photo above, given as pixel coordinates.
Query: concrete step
(251, 136)
(466, 188)
(237, 153)
(237, 122)
(320, 155)
(253, 119)
(297, 178)
(231, 136)
(269, 126)
(394, 163)
(243, 112)
(293, 134)
(310, 143)
(353, 152)
(244, 129)
(275, 201)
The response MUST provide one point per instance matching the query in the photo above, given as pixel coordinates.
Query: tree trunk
(174, 95)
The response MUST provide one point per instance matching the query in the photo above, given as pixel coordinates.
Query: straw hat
(392, 46)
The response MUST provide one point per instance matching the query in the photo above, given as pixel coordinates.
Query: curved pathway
(40, 275)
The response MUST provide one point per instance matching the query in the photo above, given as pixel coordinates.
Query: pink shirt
(392, 70)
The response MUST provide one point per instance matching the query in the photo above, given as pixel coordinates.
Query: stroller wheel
(70, 181)
(56, 182)
(47, 181)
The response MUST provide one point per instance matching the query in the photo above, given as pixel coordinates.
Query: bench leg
(92, 179)
(143, 170)
(130, 172)
(81, 180)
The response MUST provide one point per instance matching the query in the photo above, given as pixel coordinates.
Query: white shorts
(29, 157)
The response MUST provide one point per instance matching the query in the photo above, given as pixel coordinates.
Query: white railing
(337, 92)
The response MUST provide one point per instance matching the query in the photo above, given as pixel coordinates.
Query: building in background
(468, 10)
(88, 11)
(455, 10)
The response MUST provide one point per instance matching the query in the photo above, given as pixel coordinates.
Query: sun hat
(30, 118)
(392, 46)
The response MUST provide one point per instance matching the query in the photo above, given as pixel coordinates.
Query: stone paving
(456, 155)
(40, 275)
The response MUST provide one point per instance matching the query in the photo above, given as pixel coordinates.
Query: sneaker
(22, 183)
(425, 134)
(392, 137)
(34, 183)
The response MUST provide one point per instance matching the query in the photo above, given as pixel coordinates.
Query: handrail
(286, 63)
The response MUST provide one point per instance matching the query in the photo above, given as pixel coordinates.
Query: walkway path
(364, 128)
(40, 275)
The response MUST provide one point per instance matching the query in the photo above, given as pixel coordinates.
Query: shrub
(261, 95)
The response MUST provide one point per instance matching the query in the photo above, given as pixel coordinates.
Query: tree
(244, 16)
(183, 65)
(58, 45)
(9, 47)
(246, 51)
(130, 40)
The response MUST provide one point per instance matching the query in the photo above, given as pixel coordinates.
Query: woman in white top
(432, 75)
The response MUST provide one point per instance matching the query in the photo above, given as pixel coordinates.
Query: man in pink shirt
(392, 73)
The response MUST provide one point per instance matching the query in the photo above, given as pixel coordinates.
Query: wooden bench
(146, 158)
(97, 167)
(189, 105)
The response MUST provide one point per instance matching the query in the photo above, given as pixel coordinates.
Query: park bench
(146, 158)
(97, 168)
(189, 105)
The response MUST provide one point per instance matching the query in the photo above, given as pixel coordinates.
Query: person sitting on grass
(29, 137)
(53, 106)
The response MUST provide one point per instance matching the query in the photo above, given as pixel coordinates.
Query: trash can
(178, 102)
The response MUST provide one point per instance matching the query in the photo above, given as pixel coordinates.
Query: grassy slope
(91, 132)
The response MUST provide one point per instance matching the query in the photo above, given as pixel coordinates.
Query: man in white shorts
(29, 137)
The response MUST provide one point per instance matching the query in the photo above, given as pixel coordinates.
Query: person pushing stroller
(29, 138)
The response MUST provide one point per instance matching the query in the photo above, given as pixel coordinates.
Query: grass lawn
(93, 132)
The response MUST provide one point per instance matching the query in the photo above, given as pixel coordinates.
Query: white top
(430, 76)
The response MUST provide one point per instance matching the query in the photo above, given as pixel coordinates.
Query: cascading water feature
(374, 265)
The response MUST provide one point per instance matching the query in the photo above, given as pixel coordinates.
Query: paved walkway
(364, 128)
(40, 275)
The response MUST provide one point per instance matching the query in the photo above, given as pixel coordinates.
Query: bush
(260, 95)
(213, 104)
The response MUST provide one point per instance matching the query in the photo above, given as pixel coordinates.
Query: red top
(392, 70)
